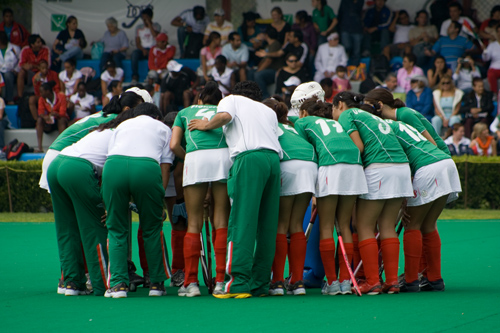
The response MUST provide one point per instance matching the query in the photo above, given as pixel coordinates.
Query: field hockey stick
(347, 263)
(209, 252)
(311, 223)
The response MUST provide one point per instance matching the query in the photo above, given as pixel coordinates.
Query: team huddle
(251, 167)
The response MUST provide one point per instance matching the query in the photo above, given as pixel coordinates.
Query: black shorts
(47, 128)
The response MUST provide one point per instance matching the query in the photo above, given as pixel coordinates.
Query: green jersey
(293, 119)
(294, 146)
(331, 142)
(419, 150)
(79, 129)
(418, 121)
(197, 140)
(381, 145)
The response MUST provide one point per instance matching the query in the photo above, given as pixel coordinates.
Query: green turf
(471, 266)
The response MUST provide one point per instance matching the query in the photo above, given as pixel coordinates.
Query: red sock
(297, 256)
(369, 254)
(412, 245)
(279, 257)
(423, 263)
(343, 272)
(432, 249)
(178, 249)
(142, 252)
(220, 248)
(356, 257)
(327, 251)
(390, 256)
(192, 248)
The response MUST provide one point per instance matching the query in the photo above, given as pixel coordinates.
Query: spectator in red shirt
(487, 29)
(52, 113)
(44, 75)
(30, 59)
(18, 35)
(160, 55)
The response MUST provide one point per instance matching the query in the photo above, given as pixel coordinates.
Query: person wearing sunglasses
(447, 100)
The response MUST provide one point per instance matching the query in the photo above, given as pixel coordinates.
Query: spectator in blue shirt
(237, 55)
(452, 46)
(420, 96)
(377, 21)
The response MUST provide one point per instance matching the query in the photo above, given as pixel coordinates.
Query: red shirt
(59, 105)
(159, 58)
(51, 76)
(28, 57)
(18, 35)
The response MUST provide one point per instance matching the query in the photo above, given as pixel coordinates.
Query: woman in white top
(111, 73)
(69, 78)
(81, 103)
(114, 89)
(138, 164)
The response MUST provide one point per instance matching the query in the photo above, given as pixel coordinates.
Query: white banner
(49, 17)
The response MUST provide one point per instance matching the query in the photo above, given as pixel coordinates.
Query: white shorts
(49, 157)
(341, 179)
(298, 177)
(206, 165)
(170, 191)
(434, 181)
(393, 181)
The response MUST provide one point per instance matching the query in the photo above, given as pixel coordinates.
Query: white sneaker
(61, 289)
(191, 290)
(157, 289)
(118, 291)
(219, 288)
(345, 287)
(72, 290)
(331, 289)
(276, 289)
(177, 279)
(296, 289)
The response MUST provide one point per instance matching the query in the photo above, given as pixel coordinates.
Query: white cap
(332, 36)
(174, 66)
(304, 91)
(292, 81)
(219, 12)
(141, 92)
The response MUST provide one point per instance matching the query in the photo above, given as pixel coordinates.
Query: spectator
(351, 28)
(9, 59)
(376, 25)
(464, 74)
(192, 23)
(487, 30)
(295, 45)
(113, 89)
(209, 53)
(291, 69)
(477, 106)
(439, 70)
(401, 27)
(407, 71)
(304, 24)
(4, 123)
(420, 96)
(439, 12)
(30, 58)
(447, 101)
(422, 37)
(279, 23)
(492, 53)
(16, 32)
(44, 75)
(111, 73)
(69, 78)
(237, 56)
(249, 35)
(268, 66)
(391, 84)
(455, 11)
(330, 91)
(341, 79)
(177, 87)
(324, 19)
(220, 25)
(145, 35)
(69, 44)
(457, 143)
(160, 55)
(81, 103)
(483, 143)
(329, 56)
(223, 75)
(452, 46)
(52, 113)
(115, 44)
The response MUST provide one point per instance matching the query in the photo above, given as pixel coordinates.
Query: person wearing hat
(177, 88)
(160, 55)
(110, 74)
(329, 56)
(145, 35)
(420, 96)
(220, 25)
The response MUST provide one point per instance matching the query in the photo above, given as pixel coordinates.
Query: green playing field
(471, 270)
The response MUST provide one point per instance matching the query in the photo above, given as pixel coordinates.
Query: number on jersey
(412, 132)
(205, 113)
(323, 123)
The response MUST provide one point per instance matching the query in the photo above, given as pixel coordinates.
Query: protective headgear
(302, 92)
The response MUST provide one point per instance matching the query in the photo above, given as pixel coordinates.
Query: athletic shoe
(219, 288)
(345, 287)
(177, 279)
(331, 289)
(191, 290)
(389, 288)
(412, 287)
(72, 290)
(401, 279)
(368, 289)
(157, 289)
(276, 288)
(297, 288)
(426, 285)
(61, 289)
(233, 295)
(118, 291)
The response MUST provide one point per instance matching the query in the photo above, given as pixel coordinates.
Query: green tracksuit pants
(78, 209)
(140, 178)
(254, 191)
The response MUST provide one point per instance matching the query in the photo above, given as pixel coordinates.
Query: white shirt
(492, 53)
(142, 136)
(402, 34)
(463, 141)
(253, 126)
(224, 31)
(86, 103)
(69, 83)
(328, 58)
(464, 77)
(145, 35)
(10, 61)
(446, 24)
(106, 77)
(93, 147)
(225, 79)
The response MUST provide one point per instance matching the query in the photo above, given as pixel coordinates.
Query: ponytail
(383, 95)
(315, 107)
(118, 103)
(351, 99)
(211, 94)
(280, 109)
(373, 109)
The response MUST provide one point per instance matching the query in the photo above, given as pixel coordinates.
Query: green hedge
(480, 178)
